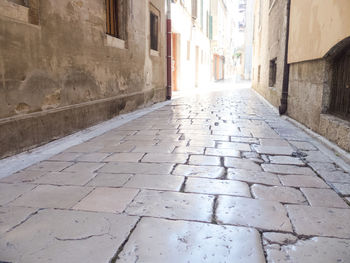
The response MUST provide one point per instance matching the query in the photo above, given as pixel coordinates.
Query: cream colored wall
(316, 26)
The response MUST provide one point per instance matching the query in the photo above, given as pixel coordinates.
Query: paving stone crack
(121, 247)
(24, 220)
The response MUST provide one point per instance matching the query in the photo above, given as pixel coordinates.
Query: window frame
(116, 18)
(155, 13)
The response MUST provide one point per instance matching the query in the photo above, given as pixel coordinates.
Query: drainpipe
(285, 84)
(168, 50)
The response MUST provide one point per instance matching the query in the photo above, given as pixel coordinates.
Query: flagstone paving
(216, 177)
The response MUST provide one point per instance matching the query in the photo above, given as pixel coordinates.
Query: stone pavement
(217, 177)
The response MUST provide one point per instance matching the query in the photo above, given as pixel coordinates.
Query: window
(188, 50)
(259, 67)
(20, 2)
(116, 18)
(272, 72)
(194, 9)
(154, 31)
(340, 90)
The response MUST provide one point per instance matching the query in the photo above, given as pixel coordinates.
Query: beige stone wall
(268, 44)
(67, 62)
(316, 26)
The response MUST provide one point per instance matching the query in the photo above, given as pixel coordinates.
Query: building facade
(190, 44)
(66, 65)
(303, 68)
(222, 38)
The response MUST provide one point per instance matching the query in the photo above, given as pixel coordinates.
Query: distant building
(307, 77)
(66, 65)
(190, 44)
(222, 38)
(248, 39)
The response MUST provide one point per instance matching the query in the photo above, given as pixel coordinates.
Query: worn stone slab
(110, 200)
(335, 176)
(278, 193)
(317, 156)
(320, 221)
(173, 144)
(49, 166)
(137, 168)
(172, 205)
(234, 146)
(65, 178)
(13, 216)
(189, 150)
(208, 137)
(304, 146)
(199, 171)
(49, 196)
(287, 169)
(285, 160)
(9, 192)
(202, 143)
(302, 181)
(65, 157)
(323, 167)
(317, 249)
(26, 176)
(164, 158)
(154, 149)
(244, 164)
(253, 176)
(160, 240)
(278, 238)
(125, 157)
(84, 167)
(323, 197)
(109, 180)
(222, 152)
(273, 150)
(85, 148)
(66, 236)
(274, 142)
(204, 160)
(92, 157)
(243, 139)
(263, 132)
(343, 189)
(267, 215)
(156, 182)
(217, 187)
(119, 148)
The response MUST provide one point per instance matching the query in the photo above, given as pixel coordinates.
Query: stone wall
(307, 81)
(60, 72)
(269, 44)
(309, 100)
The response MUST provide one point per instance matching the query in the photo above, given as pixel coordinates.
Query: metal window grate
(340, 93)
(154, 31)
(272, 72)
(112, 17)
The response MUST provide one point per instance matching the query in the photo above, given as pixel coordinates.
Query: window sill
(14, 11)
(154, 53)
(114, 42)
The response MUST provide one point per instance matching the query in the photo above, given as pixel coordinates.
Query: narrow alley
(216, 176)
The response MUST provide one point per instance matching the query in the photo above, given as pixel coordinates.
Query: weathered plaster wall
(269, 43)
(61, 76)
(316, 26)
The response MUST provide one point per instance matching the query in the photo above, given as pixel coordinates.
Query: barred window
(154, 30)
(116, 18)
